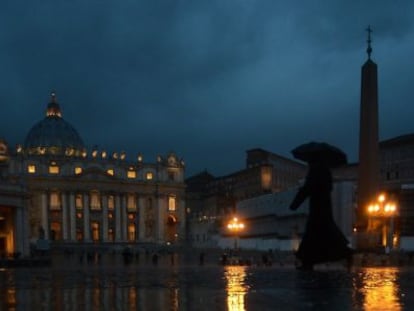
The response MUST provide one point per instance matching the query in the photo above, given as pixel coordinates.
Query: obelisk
(368, 179)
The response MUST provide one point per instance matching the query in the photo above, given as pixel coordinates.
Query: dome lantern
(53, 109)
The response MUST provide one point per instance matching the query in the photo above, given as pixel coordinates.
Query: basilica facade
(69, 194)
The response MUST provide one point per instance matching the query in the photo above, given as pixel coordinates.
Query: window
(31, 169)
(53, 169)
(171, 203)
(54, 202)
(132, 174)
(149, 176)
(78, 201)
(95, 202)
(78, 170)
(131, 202)
(111, 202)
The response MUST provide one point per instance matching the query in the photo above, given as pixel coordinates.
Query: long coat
(322, 241)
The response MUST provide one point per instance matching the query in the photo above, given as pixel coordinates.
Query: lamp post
(235, 226)
(383, 209)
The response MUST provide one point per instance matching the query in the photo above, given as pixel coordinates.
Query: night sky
(206, 79)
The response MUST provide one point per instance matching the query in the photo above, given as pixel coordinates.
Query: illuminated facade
(13, 210)
(76, 195)
(397, 175)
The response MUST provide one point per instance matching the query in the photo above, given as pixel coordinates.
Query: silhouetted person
(155, 259)
(322, 241)
(265, 259)
(172, 255)
(89, 257)
(201, 259)
(223, 259)
(41, 233)
(127, 255)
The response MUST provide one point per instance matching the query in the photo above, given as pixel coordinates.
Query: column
(72, 217)
(86, 222)
(160, 211)
(18, 230)
(104, 218)
(87, 296)
(124, 220)
(141, 218)
(45, 214)
(182, 219)
(117, 218)
(106, 301)
(26, 234)
(65, 228)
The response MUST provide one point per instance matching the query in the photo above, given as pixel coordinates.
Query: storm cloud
(205, 79)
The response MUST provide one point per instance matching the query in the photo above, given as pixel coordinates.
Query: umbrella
(320, 152)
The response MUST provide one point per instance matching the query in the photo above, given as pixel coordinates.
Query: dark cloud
(206, 79)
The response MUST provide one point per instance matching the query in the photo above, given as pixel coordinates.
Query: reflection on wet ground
(236, 287)
(380, 287)
(208, 287)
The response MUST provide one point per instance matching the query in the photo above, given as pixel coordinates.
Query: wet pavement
(71, 284)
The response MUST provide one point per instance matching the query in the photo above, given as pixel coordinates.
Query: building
(270, 224)
(13, 211)
(397, 175)
(212, 200)
(69, 194)
(386, 166)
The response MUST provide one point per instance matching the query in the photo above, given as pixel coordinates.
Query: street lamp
(383, 209)
(235, 226)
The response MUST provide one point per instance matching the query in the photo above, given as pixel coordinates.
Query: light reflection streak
(236, 288)
(380, 289)
(11, 298)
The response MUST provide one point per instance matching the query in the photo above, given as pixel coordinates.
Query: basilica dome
(53, 135)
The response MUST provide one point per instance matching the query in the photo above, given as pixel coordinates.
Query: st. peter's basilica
(53, 188)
